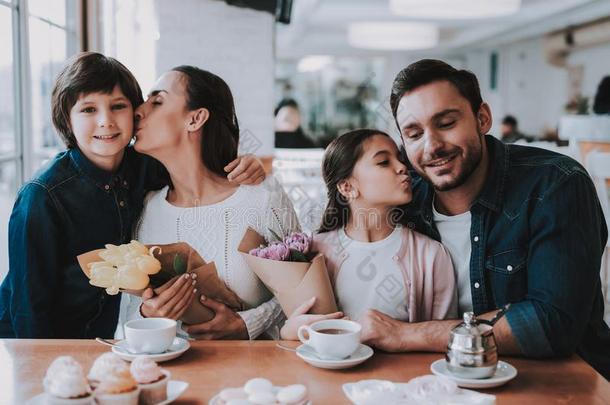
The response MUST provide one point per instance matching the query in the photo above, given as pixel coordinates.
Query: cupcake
(117, 387)
(102, 366)
(151, 379)
(65, 383)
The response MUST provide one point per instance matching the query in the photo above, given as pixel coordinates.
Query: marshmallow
(258, 385)
(292, 394)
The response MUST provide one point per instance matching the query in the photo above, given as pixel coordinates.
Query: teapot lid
(470, 326)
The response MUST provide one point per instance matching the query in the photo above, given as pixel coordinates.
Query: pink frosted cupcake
(65, 383)
(117, 387)
(151, 379)
(102, 366)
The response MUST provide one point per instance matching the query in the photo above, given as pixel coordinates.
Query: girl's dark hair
(427, 71)
(220, 137)
(85, 73)
(601, 104)
(340, 158)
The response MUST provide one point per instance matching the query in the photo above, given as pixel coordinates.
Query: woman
(189, 124)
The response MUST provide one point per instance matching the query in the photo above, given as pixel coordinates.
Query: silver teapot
(472, 350)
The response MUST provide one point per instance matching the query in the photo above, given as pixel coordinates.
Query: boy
(87, 196)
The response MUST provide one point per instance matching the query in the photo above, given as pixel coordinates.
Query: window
(36, 38)
(52, 39)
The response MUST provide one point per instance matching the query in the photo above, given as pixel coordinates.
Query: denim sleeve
(34, 262)
(567, 238)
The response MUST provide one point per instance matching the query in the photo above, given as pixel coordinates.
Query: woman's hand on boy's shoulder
(246, 170)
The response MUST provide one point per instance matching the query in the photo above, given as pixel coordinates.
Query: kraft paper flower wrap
(133, 267)
(290, 271)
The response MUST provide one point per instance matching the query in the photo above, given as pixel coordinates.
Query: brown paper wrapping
(207, 283)
(291, 282)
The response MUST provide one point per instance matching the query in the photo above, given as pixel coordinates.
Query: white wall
(527, 87)
(150, 37)
(596, 62)
(234, 43)
(531, 89)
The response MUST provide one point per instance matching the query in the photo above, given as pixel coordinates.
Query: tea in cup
(332, 339)
(150, 335)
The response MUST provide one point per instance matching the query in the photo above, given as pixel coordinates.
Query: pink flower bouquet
(289, 268)
(293, 248)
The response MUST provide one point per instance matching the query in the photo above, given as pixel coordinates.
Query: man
(522, 225)
(510, 132)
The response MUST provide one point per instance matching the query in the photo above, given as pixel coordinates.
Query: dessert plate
(217, 401)
(174, 390)
(179, 346)
(504, 373)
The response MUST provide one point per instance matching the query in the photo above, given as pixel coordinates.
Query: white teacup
(333, 338)
(150, 335)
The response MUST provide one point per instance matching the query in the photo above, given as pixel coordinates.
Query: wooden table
(211, 366)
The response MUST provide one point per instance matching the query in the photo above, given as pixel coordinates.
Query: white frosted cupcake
(102, 366)
(151, 379)
(65, 383)
(117, 387)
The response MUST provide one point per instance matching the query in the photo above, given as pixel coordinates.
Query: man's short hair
(85, 73)
(428, 71)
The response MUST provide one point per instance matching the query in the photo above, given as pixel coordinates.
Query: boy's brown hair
(88, 72)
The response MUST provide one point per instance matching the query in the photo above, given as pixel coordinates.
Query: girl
(87, 196)
(373, 262)
(189, 124)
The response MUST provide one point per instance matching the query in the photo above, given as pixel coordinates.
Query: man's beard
(470, 163)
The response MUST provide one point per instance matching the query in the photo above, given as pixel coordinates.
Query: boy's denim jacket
(69, 208)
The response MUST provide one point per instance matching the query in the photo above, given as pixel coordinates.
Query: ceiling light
(314, 63)
(392, 35)
(454, 9)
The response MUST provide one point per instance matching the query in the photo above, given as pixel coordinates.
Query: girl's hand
(300, 317)
(226, 324)
(246, 169)
(176, 297)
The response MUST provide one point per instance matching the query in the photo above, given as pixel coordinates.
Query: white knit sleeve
(267, 317)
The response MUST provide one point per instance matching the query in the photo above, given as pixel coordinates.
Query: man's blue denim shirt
(69, 208)
(537, 235)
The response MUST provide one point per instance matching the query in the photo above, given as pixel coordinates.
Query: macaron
(258, 385)
(292, 394)
(229, 394)
(238, 401)
(262, 398)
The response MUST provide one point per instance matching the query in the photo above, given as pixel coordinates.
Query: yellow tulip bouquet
(133, 267)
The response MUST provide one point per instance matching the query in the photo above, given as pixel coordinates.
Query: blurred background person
(601, 104)
(510, 131)
(288, 130)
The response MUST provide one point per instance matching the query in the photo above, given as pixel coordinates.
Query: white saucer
(504, 373)
(179, 346)
(174, 390)
(217, 401)
(308, 354)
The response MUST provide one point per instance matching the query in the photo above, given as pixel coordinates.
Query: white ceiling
(319, 27)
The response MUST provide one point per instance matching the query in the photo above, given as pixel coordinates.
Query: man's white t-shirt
(455, 236)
